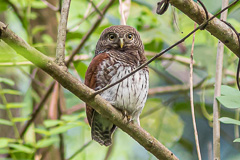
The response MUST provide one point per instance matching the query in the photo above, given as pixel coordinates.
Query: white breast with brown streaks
(130, 94)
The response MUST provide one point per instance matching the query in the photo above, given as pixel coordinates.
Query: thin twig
(162, 52)
(205, 113)
(80, 150)
(61, 136)
(76, 108)
(206, 13)
(61, 146)
(217, 92)
(236, 127)
(237, 76)
(192, 102)
(37, 109)
(13, 64)
(123, 20)
(96, 8)
(170, 57)
(183, 88)
(86, 16)
(53, 105)
(33, 79)
(62, 30)
(52, 7)
(87, 35)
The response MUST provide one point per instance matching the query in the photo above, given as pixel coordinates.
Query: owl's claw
(129, 118)
(125, 114)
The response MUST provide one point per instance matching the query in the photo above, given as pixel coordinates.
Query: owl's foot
(125, 114)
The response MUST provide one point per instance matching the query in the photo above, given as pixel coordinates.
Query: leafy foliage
(230, 99)
(166, 115)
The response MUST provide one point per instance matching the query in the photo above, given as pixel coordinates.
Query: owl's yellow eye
(130, 36)
(111, 37)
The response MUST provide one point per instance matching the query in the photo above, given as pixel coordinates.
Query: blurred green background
(166, 115)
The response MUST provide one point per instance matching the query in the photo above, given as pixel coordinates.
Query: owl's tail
(102, 129)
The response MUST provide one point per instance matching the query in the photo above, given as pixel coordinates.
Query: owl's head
(119, 37)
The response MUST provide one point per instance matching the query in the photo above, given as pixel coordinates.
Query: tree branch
(192, 101)
(62, 30)
(170, 57)
(84, 93)
(217, 91)
(52, 7)
(216, 27)
(182, 88)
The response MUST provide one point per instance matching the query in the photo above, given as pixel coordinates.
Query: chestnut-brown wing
(91, 79)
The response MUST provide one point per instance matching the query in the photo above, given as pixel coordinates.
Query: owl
(118, 52)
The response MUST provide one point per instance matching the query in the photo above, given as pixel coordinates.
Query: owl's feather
(102, 128)
(112, 62)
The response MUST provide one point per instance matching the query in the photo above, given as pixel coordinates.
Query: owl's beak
(121, 42)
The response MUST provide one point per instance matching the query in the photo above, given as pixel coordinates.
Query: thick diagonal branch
(216, 27)
(84, 93)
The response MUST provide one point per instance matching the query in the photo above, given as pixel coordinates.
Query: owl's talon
(129, 118)
(124, 112)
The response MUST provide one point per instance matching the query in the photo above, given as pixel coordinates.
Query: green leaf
(46, 142)
(42, 131)
(229, 91)
(71, 118)
(38, 5)
(62, 129)
(37, 29)
(52, 123)
(227, 120)
(3, 6)
(81, 68)
(22, 148)
(20, 119)
(7, 81)
(3, 142)
(237, 140)
(7, 54)
(73, 35)
(5, 122)
(15, 105)
(47, 38)
(230, 101)
(10, 91)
